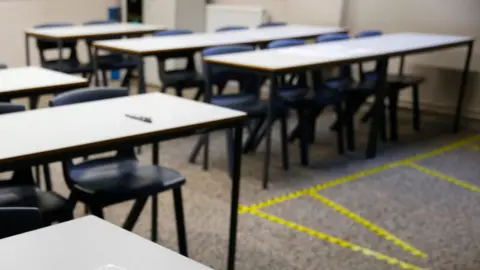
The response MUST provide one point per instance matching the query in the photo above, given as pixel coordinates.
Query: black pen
(140, 118)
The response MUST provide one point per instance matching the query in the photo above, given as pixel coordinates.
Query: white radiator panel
(226, 15)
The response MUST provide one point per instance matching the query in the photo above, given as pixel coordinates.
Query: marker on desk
(140, 118)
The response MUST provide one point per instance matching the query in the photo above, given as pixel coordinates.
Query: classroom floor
(415, 206)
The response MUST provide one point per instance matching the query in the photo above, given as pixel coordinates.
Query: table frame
(382, 62)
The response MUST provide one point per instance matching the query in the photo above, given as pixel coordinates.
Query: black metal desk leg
(378, 109)
(270, 119)
(27, 49)
(463, 86)
(237, 164)
(95, 66)
(141, 75)
(154, 232)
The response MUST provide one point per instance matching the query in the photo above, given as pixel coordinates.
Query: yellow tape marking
(445, 177)
(361, 174)
(334, 240)
(369, 225)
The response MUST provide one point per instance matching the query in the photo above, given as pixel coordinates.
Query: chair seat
(398, 81)
(326, 96)
(117, 179)
(182, 79)
(242, 102)
(292, 95)
(115, 61)
(68, 66)
(339, 83)
(53, 207)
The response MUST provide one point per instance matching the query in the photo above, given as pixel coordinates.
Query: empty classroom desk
(88, 243)
(277, 61)
(142, 47)
(61, 34)
(100, 126)
(35, 81)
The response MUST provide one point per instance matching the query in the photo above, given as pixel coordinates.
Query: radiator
(225, 15)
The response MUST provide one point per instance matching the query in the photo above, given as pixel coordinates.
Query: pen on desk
(139, 118)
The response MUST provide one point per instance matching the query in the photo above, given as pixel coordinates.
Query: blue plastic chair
(16, 192)
(272, 24)
(70, 64)
(231, 28)
(113, 60)
(182, 78)
(111, 180)
(246, 100)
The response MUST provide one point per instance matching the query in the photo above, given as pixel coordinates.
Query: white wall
(437, 16)
(15, 16)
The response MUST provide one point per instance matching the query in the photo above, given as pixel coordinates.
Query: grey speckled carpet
(408, 212)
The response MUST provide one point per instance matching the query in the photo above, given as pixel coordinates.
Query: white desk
(275, 61)
(88, 243)
(59, 34)
(94, 127)
(154, 45)
(35, 81)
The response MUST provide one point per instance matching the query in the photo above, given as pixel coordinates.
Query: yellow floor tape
(333, 240)
(445, 177)
(369, 225)
(361, 174)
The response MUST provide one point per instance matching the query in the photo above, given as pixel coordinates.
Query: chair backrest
(219, 76)
(272, 24)
(285, 43)
(231, 28)
(332, 37)
(298, 79)
(372, 74)
(345, 69)
(162, 58)
(44, 45)
(6, 107)
(17, 220)
(369, 33)
(88, 94)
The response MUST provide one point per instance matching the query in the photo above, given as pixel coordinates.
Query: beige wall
(15, 16)
(436, 16)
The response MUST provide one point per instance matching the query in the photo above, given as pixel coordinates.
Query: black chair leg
(199, 93)
(249, 144)
(416, 108)
(178, 92)
(196, 149)
(127, 78)
(284, 142)
(350, 125)
(104, 77)
(154, 228)
(367, 115)
(260, 135)
(163, 89)
(96, 211)
(48, 177)
(180, 219)
(393, 109)
(341, 125)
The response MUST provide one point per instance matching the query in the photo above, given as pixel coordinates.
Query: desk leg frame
(463, 87)
(235, 195)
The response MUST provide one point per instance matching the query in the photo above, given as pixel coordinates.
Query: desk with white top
(88, 243)
(60, 34)
(94, 127)
(301, 58)
(35, 81)
(142, 47)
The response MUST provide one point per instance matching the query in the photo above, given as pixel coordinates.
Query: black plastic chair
(17, 220)
(3, 66)
(272, 24)
(70, 64)
(179, 79)
(247, 100)
(112, 60)
(107, 181)
(13, 193)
